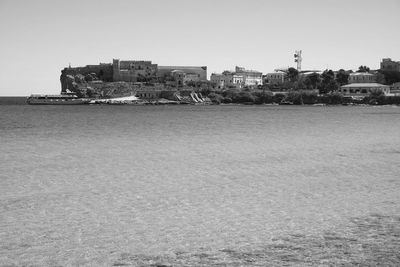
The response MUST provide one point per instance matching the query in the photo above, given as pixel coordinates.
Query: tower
(116, 68)
(298, 59)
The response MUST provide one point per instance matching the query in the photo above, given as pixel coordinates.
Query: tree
(292, 74)
(327, 76)
(244, 97)
(380, 78)
(342, 77)
(300, 85)
(391, 77)
(332, 86)
(328, 83)
(363, 69)
(313, 80)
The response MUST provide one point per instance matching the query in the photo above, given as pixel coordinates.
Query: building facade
(274, 78)
(148, 94)
(190, 71)
(237, 79)
(227, 80)
(388, 64)
(218, 80)
(133, 70)
(363, 89)
(250, 78)
(362, 77)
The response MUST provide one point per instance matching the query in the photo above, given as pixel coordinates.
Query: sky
(39, 38)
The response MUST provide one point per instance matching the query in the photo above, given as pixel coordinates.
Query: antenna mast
(298, 58)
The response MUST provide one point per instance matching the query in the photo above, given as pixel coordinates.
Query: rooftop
(364, 85)
(277, 72)
(361, 73)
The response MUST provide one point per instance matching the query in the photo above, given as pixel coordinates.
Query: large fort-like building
(135, 71)
(388, 64)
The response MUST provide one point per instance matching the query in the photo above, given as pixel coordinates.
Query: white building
(237, 79)
(250, 77)
(227, 80)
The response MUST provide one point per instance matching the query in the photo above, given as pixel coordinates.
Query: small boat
(63, 99)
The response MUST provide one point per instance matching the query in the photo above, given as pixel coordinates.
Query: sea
(192, 185)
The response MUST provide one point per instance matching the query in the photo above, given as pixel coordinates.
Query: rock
(79, 78)
(91, 77)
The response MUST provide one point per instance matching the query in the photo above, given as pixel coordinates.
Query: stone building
(388, 65)
(218, 80)
(178, 77)
(274, 78)
(227, 80)
(133, 70)
(191, 72)
(191, 77)
(102, 71)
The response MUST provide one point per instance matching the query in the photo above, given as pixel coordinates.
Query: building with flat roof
(363, 89)
(218, 79)
(200, 71)
(250, 77)
(237, 79)
(388, 64)
(227, 79)
(362, 77)
(274, 78)
(133, 70)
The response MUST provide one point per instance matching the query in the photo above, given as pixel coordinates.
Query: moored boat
(64, 99)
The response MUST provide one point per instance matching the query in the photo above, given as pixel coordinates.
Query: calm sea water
(193, 185)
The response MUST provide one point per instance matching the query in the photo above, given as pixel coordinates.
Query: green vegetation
(388, 77)
(296, 97)
(342, 77)
(363, 69)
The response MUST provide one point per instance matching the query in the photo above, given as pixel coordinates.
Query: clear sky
(39, 38)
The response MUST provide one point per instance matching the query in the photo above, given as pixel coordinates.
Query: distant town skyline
(40, 38)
